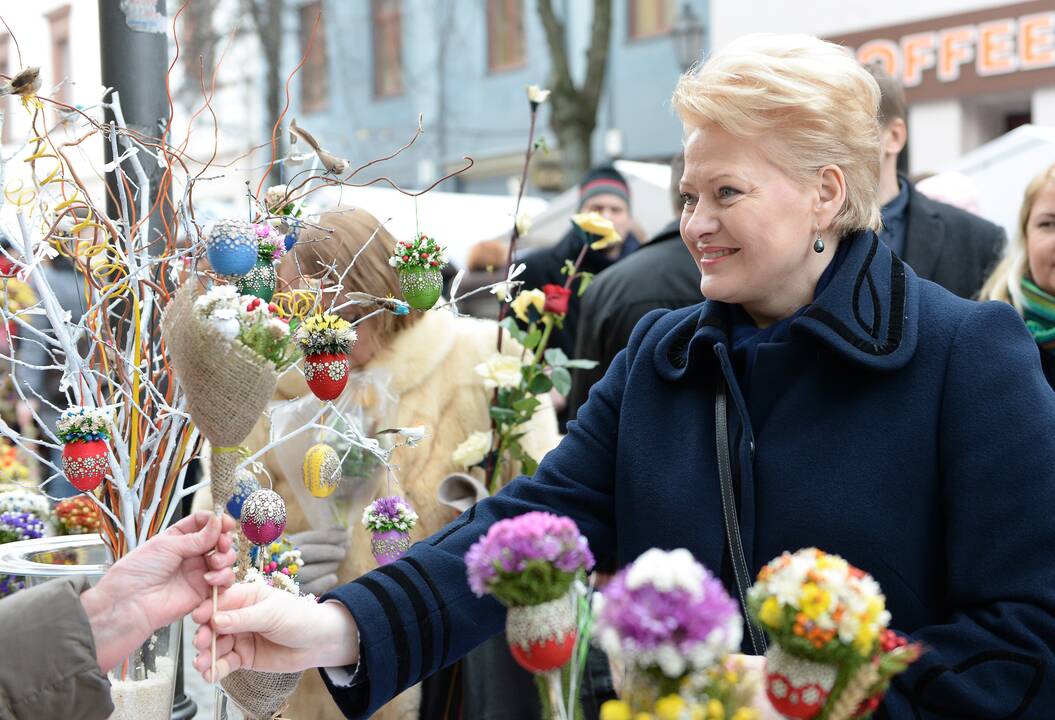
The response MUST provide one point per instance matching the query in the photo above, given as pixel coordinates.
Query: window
(649, 18)
(388, 48)
(60, 53)
(505, 34)
(315, 77)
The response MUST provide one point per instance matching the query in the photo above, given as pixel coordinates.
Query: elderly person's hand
(322, 551)
(263, 628)
(158, 583)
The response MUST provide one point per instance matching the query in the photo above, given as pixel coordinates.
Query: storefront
(969, 77)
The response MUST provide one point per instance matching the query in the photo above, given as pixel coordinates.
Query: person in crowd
(62, 637)
(424, 362)
(942, 243)
(659, 275)
(823, 395)
(602, 190)
(1026, 275)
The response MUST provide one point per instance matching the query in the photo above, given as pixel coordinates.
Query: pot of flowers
(260, 280)
(325, 341)
(389, 520)
(85, 433)
(420, 263)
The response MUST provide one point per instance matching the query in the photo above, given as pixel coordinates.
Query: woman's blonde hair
(327, 255)
(809, 101)
(1005, 283)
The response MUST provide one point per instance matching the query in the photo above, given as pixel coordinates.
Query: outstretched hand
(263, 628)
(158, 583)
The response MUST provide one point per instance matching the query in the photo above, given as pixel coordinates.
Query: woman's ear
(831, 194)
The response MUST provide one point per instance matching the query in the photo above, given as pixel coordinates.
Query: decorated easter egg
(326, 374)
(421, 287)
(245, 485)
(322, 470)
(84, 462)
(232, 247)
(263, 517)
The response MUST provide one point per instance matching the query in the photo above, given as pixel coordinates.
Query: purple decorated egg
(263, 517)
(389, 546)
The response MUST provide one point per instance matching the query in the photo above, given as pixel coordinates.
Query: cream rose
(473, 450)
(500, 371)
(526, 299)
(537, 95)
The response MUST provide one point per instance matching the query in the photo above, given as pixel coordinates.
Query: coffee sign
(1011, 47)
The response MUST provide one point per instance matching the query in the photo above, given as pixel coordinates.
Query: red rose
(253, 305)
(406, 258)
(557, 298)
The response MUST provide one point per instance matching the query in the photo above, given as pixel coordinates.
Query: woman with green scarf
(1026, 276)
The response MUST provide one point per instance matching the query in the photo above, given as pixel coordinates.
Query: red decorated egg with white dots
(85, 463)
(263, 517)
(797, 688)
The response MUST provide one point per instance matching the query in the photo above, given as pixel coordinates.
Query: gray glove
(323, 551)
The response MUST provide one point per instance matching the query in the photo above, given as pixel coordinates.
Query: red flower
(253, 305)
(557, 298)
(406, 258)
(272, 307)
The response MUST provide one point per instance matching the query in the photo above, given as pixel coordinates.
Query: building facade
(972, 69)
(464, 66)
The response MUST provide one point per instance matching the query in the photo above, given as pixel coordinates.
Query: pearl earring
(818, 244)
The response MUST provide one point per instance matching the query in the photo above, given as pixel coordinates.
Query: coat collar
(867, 315)
(924, 234)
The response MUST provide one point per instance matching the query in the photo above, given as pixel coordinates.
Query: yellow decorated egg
(322, 470)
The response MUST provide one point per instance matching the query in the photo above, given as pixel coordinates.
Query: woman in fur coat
(421, 367)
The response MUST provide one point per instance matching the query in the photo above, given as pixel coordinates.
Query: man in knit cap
(603, 190)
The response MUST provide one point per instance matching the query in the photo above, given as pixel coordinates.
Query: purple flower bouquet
(667, 616)
(529, 564)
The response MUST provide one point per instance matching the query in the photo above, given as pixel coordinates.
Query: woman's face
(749, 227)
(1040, 239)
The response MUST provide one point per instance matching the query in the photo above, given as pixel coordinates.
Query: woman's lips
(711, 255)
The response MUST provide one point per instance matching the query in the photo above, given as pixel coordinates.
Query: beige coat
(431, 365)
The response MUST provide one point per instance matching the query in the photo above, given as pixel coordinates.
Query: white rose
(537, 95)
(225, 320)
(500, 371)
(473, 450)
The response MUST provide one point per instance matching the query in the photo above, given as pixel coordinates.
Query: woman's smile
(711, 255)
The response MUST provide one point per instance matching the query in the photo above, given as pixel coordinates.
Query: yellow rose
(596, 224)
(526, 299)
(669, 707)
(771, 613)
(814, 601)
(472, 450)
(500, 371)
(616, 710)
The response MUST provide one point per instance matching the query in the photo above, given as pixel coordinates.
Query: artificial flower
(500, 371)
(389, 513)
(473, 449)
(667, 613)
(504, 290)
(596, 225)
(325, 333)
(616, 710)
(499, 563)
(557, 297)
(528, 299)
(523, 225)
(536, 95)
(83, 423)
(421, 252)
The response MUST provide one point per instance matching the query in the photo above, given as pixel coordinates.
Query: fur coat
(432, 378)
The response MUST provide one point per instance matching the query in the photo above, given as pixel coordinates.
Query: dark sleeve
(994, 656)
(418, 614)
(56, 674)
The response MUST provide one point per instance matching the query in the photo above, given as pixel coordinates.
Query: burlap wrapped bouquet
(227, 386)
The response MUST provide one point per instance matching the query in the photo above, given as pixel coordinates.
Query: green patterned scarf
(1039, 313)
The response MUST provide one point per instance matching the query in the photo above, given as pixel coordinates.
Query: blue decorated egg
(245, 486)
(232, 247)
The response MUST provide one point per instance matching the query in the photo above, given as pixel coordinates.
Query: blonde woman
(863, 411)
(1026, 276)
(422, 367)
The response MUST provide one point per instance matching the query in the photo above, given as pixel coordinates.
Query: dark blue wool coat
(901, 427)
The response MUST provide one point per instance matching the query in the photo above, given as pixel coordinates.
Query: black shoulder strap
(732, 526)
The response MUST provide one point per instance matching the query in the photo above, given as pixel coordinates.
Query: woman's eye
(725, 192)
(1046, 224)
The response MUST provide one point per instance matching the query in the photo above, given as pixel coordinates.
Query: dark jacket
(661, 275)
(49, 668)
(544, 267)
(949, 246)
(902, 427)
